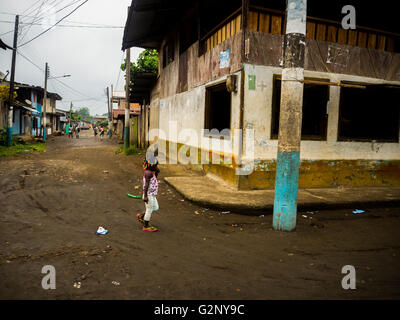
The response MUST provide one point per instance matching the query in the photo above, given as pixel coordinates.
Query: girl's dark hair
(148, 164)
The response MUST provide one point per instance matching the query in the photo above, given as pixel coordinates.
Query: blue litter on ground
(101, 231)
(357, 211)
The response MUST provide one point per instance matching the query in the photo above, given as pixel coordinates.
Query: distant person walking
(101, 133)
(77, 131)
(68, 130)
(95, 132)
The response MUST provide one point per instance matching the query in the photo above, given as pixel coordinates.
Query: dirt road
(52, 203)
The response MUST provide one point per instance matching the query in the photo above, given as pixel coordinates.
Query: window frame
(340, 137)
(207, 107)
(168, 51)
(324, 136)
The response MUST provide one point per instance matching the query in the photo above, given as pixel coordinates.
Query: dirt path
(52, 203)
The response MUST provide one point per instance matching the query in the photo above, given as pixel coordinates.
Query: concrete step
(210, 192)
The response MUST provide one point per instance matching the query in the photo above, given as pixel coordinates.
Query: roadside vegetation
(18, 146)
(19, 149)
(128, 152)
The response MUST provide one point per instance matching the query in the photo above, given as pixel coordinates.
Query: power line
(42, 17)
(54, 24)
(84, 24)
(29, 60)
(69, 26)
(34, 19)
(49, 4)
(68, 5)
(79, 100)
(58, 80)
(69, 21)
(82, 94)
(119, 72)
(31, 8)
(6, 33)
(87, 98)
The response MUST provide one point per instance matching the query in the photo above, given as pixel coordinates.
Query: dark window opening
(23, 94)
(315, 117)
(218, 108)
(168, 53)
(21, 118)
(369, 114)
(188, 34)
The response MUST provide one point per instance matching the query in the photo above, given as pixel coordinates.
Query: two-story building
(220, 66)
(28, 110)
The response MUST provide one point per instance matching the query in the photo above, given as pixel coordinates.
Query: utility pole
(127, 111)
(108, 106)
(70, 114)
(111, 97)
(45, 102)
(12, 77)
(111, 108)
(288, 158)
(141, 122)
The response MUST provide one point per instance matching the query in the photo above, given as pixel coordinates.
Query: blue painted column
(288, 158)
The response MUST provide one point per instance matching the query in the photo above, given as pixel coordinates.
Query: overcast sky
(91, 56)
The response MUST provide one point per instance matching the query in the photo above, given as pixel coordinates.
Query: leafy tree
(84, 114)
(74, 116)
(146, 62)
(5, 93)
(102, 123)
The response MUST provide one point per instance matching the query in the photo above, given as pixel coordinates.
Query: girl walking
(150, 190)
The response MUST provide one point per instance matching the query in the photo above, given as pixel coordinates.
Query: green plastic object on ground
(132, 196)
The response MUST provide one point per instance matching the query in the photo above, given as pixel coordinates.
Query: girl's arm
(147, 176)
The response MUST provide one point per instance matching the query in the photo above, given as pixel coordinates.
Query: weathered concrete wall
(258, 113)
(187, 110)
(328, 173)
(324, 163)
(154, 118)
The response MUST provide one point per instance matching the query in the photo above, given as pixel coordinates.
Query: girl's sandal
(141, 220)
(150, 229)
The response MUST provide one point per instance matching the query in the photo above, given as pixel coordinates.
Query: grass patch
(129, 151)
(19, 149)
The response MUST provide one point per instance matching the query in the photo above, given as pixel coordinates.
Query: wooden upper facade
(190, 44)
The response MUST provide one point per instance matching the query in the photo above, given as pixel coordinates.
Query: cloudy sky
(90, 54)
